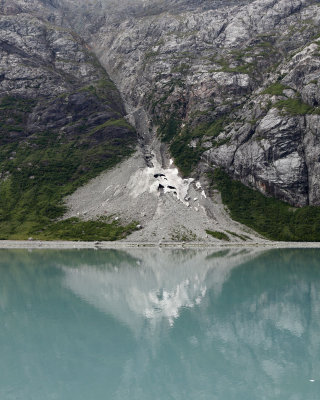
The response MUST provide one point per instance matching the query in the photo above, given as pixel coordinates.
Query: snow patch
(152, 179)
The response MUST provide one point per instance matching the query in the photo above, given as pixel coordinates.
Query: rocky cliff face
(234, 84)
(61, 118)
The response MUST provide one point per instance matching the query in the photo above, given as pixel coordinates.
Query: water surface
(166, 324)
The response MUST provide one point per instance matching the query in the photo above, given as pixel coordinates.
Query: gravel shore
(38, 244)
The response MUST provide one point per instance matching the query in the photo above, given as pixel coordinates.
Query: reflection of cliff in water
(155, 284)
(248, 332)
(244, 325)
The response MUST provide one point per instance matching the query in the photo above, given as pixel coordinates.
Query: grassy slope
(272, 218)
(38, 171)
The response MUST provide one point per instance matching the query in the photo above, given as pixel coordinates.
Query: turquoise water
(156, 324)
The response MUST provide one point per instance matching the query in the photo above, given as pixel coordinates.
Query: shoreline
(68, 245)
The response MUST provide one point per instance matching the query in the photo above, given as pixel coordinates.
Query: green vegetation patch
(224, 64)
(105, 90)
(242, 237)
(187, 156)
(15, 104)
(276, 89)
(218, 235)
(76, 229)
(13, 115)
(37, 171)
(294, 107)
(271, 218)
(121, 123)
(182, 68)
(213, 128)
(169, 128)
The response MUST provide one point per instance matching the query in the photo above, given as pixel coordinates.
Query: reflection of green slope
(274, 271)
(67, 258)
(50, 341)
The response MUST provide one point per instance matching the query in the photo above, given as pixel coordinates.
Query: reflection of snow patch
(137, 293)
(194, 341)
(166, 304)
(162, 286)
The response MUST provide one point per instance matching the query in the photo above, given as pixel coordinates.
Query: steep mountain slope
(200, 68)
(225, 84)
(61, 123)
(212, 84)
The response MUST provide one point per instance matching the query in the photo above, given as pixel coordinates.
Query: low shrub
(218, 235)
(270, 217)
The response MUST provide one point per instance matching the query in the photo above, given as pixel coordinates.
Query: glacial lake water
(152, 324)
